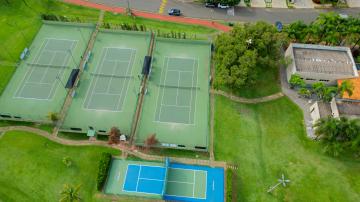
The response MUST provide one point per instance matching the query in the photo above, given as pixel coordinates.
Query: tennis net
(45, 65)
(180, 87)
(167, 165)
(112, 75)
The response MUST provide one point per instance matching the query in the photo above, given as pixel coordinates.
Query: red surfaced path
(143, 14)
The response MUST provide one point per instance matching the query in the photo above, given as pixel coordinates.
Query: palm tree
(338, 134)
(70, 193)
(346, 86)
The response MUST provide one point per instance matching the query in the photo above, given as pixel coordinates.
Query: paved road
(241, 14)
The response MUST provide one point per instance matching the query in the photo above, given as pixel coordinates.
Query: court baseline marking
(36, 59)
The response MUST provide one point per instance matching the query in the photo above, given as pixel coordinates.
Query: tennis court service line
(180, 73)
(35, 85)
(113, 65)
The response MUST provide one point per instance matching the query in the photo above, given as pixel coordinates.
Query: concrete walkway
(247, 100)
(121, 147)
(156, 16)
(304, 104)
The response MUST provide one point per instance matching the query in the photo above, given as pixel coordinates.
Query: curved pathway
(248, 100)
(121, 147)
(178, 19)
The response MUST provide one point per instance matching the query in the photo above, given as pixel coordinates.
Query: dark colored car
(210, 5)
(174, 11)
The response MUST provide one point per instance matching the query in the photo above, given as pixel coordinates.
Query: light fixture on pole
(282, 181)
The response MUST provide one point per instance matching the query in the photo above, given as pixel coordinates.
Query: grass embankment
(32, 168)
(268, 139)
(267, 83)
(20, 22)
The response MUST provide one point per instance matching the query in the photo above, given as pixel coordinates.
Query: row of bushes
(104, 166)
(229, 182)
(143, 28)
(53, 17)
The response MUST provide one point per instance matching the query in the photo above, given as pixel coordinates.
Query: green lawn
(267, 83)
(32, 170)
(268, 139)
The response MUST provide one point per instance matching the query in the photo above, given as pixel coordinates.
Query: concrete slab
(303, 4)
(279, 4)
(353, 3)
(258, 3)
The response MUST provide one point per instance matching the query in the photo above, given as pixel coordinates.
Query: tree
(114, 135)
(346, 86)
(244, 51)
(296, 81)
(53, 116)
(318, 89)
(338, 135)
(304, 92)
(151, 141)
(297, 31)
(70, 193)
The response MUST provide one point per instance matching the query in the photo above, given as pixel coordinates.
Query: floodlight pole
(73, 58)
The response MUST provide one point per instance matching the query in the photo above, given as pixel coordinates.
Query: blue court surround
(145, 179)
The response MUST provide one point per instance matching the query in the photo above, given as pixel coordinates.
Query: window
(198, 147)
(324, 80)
(5, 116)
(17, 117)
(310, 79)
(180, 145)
(76, 129)
(102, 131)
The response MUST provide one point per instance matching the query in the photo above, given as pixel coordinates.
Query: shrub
(67, 161)
(104, 165)
(229, 182)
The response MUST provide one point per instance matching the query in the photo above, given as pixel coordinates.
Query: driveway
(243, 14)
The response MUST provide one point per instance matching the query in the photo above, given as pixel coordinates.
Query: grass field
(32, 168)
(269, 139)
(267, 83)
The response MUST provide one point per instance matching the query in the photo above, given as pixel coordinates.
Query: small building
(323, 109)
(316, 63)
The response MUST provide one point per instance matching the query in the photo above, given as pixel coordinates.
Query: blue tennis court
(169, 181)
(145, 179)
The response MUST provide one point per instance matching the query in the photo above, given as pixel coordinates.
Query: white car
(223, 6)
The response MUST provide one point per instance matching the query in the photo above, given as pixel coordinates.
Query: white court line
(47, 68)
(123, 86)
(31, 83)
(137, 183)
(62, 70)
(94, 83)
(127, 168)
(197, 80)
(22, 86)
(157, 99)
(92, 80)
(132, 70)
(141, 178)
(180, 182)
(101, 93)
(179, 106)
(177, 89)
(174, 70)
(191, 92)
(163, 89)
(111, 77)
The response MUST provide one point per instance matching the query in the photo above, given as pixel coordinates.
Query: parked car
(210, 5)
(223, 6)
(174, 11)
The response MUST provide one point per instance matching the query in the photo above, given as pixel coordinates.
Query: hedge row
(229, 182)
(61, 18)
(104, 165)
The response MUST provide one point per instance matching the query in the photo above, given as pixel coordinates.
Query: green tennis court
(110, 82)
(108, 89)
(37, 86)
(187, 183)
(41, 80)
(176, 105)
(178, 85)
